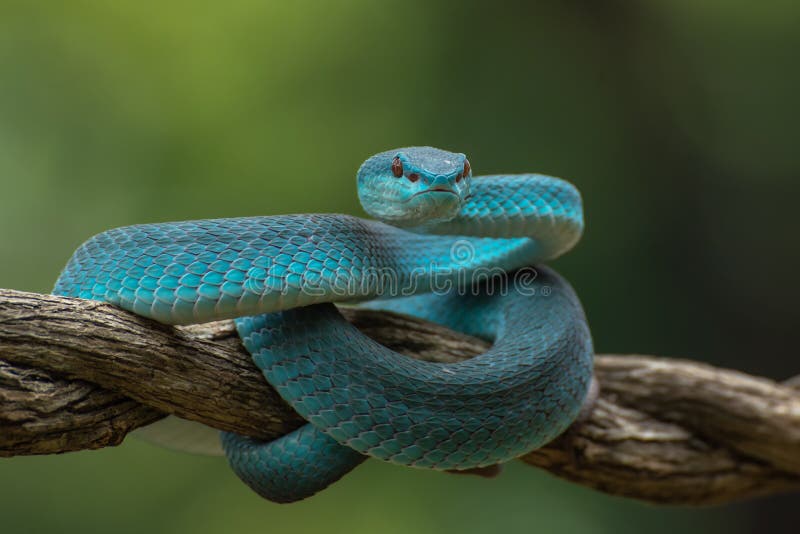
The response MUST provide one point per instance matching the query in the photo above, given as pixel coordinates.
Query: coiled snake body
(456, 251)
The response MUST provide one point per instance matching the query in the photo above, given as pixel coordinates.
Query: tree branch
(77, 374)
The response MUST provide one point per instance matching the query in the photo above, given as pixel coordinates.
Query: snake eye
(467, 168)
(397, 167)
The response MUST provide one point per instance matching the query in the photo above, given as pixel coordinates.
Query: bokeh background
(677, 119)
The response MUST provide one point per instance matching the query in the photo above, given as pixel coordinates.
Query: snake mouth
(437, 189)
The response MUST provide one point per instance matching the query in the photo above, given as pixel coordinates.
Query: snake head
(414, 186)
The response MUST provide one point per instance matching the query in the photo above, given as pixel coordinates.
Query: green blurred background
(676, 118)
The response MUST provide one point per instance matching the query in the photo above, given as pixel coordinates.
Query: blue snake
(446, 246)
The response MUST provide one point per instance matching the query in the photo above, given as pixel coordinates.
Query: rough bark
(77, 375)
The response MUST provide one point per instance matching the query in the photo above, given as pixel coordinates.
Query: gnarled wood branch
(77, 374)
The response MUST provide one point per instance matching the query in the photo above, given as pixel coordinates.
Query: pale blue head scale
(414, 185)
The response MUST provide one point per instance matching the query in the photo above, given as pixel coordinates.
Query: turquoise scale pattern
(301, 459)
(197, 271)
(278, 275)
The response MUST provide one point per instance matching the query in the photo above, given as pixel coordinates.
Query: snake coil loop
(279, 277)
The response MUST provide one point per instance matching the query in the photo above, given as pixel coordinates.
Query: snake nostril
(413, 177)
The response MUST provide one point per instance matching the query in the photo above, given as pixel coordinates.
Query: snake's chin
(434, 191)
(428, 207)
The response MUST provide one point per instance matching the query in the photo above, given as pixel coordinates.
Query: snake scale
(447, 247)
